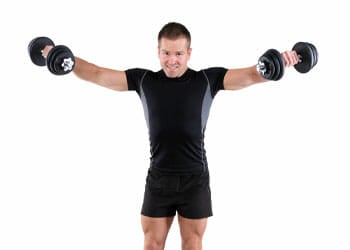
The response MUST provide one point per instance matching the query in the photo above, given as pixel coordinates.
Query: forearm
(236, 79)
(252, 77)
(241, 78)
(82, 69)
(109, 78)
(86, 71)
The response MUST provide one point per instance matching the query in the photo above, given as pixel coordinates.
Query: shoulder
(215, 73)
(135, 71)
(215, 70)
(141, 72)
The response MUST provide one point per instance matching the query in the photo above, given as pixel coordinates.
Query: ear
(189, 52)
(158, 51)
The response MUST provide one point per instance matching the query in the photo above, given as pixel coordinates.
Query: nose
(172, 59)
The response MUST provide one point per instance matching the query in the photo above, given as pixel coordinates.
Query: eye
(179, 54)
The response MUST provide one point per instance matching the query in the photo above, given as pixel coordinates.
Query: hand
(46, 50)
(290, 58)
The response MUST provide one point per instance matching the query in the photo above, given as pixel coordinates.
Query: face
(174, 56)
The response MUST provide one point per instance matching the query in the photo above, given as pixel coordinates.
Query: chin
(171, 74)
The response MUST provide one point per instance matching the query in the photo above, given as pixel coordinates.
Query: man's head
(174, 49)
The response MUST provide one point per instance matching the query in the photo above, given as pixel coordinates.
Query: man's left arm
(236, 79)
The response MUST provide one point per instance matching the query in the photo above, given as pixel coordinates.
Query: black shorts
(189, 195)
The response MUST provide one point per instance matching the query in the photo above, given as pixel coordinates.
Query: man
(176, 103)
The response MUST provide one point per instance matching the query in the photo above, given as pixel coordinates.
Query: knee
(153, 243)
(194, 242)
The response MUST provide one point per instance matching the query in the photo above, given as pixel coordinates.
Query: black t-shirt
(176, 112)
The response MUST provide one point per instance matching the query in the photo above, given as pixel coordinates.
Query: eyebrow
(179, 51)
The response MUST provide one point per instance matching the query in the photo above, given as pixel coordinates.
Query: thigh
(156, 229)
(192, 228)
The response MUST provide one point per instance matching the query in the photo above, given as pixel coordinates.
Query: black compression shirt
(176, 112)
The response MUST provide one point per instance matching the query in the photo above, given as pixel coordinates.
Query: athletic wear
(176, 112)
(189, 195)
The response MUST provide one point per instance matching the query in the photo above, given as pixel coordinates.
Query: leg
(155, 231)
(192, 231)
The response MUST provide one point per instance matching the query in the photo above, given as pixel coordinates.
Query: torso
(176, 112)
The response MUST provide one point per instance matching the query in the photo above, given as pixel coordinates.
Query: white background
(74, 156)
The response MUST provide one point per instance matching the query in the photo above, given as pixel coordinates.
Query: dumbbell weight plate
(315, 54)
(56, 57)
(35, 48)
(307, 60)
(50, 58)
(269, 68)
(279, 64)
(65, 53)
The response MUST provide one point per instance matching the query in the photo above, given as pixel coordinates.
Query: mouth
(172, 67)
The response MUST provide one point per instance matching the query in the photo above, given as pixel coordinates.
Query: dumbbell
(60, 59)
(271, 64)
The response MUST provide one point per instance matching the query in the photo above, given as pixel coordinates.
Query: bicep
(113, 79)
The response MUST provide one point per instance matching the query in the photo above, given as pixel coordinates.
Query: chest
(174, 97)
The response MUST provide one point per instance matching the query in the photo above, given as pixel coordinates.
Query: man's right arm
(109, 78)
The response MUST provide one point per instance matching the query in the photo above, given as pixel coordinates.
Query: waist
(179, 169)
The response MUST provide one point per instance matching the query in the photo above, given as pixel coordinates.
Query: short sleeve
(134, 77)
(215, 77)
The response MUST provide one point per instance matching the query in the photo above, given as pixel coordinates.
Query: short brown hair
(173, 31)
